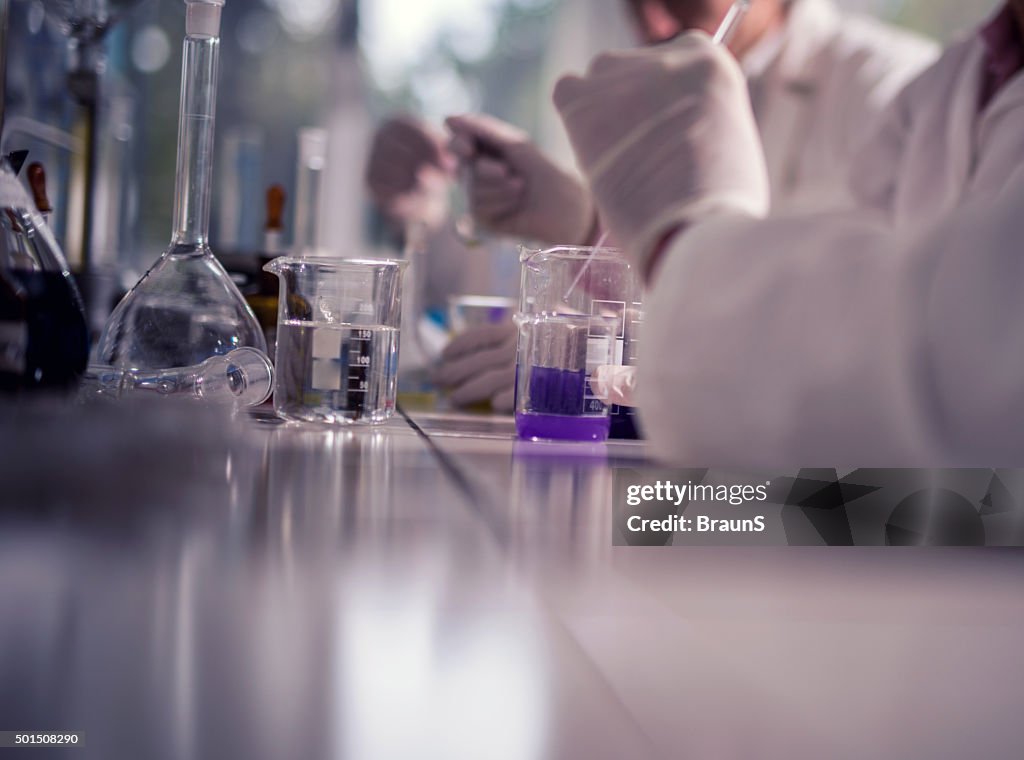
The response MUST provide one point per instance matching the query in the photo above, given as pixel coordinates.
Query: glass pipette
(731, 22)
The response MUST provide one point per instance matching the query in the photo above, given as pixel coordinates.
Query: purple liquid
(558, 408)
(556, 391)
(559, 427)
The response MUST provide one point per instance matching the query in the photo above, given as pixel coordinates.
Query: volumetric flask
(588, 281)
(557, 356)
(337, 338)
(185, 309)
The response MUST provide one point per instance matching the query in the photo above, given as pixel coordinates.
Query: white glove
(480, 365)
(516, 190)
(666, 137)
(615, 384)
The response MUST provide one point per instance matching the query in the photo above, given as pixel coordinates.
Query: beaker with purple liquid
(557, 355)
(588, 281)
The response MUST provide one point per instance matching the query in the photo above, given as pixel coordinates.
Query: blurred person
(409, 175)
(842, 338)
(817, 78)
(956, 131)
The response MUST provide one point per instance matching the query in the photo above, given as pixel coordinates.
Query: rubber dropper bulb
(273, 232)
(275, 208)
(37, 182)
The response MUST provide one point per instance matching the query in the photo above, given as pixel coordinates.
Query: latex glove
(410, 171)
(666, 138)
(480, 365)
(514, 189)
(615, 385)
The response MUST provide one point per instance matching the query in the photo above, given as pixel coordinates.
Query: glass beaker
(44, 341)
(590, 281)
(185, 309)
(337, 338)
(557, 356)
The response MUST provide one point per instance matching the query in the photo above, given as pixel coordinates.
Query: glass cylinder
(309, 186)
(557, 356)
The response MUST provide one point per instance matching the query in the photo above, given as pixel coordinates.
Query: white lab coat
(817, 89)
(835, 340)
(934, 149)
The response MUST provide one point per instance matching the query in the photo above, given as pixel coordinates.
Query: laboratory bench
(178, 583)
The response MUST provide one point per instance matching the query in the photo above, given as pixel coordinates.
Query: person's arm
(828, 340)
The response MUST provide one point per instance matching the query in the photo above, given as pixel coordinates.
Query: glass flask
(44, 342)
(185, 309)
(243, 377)
(557, 356)
(588, 281)
(338, 338)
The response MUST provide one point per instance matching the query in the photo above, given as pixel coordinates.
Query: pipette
(725, 33)
(586, 264)
(731, 22)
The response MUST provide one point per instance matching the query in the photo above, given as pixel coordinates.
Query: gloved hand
(615, 384)
(480, 365)
(666, 138)
(516, 190)
(410, 170)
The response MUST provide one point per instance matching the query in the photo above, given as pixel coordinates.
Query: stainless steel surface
(178, 585)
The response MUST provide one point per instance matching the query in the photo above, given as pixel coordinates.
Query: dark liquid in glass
(57, 347)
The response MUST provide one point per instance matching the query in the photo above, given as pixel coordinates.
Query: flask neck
(194, 182)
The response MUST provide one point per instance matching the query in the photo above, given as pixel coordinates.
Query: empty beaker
(557, 356)
(337, 338)
(588, 281)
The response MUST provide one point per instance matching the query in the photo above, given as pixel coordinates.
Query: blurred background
(339, 64)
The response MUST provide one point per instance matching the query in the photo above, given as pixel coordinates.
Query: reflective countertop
(179, 584)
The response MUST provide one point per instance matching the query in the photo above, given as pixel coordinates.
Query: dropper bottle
(273, 230)
(264, 302)
(186, 309)
(37, 182)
